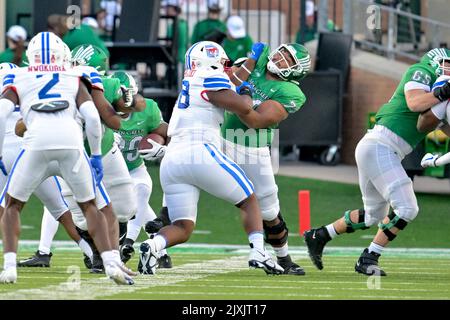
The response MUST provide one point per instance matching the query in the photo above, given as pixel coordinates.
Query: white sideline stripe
(434, 252)
(103, 287)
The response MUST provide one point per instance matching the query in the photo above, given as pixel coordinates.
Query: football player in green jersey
(382, 179)
(275, 80)
(135, 126)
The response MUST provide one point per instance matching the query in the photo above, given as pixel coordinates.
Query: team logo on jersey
(212, 51)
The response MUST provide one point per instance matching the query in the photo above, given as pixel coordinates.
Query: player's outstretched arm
(92, 119)
(430, 119)
(268, 113)
(229, 100)
(107, 113)
(7, 103)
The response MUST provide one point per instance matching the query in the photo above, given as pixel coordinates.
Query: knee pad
(394, 221)
(274, 231)
(270, 206)
(353, 226)
(123, 201)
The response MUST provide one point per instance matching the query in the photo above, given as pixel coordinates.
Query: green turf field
(415, 270)
(219, 222)
(223, 274)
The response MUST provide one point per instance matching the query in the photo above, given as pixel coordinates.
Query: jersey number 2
(44, 92)
(183, 101)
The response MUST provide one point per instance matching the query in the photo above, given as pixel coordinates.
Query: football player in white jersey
(53, 101)
(48, 191)
(193, 160)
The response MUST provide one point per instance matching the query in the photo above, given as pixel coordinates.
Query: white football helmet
(46, 48)
(206, 55)
(294, 72)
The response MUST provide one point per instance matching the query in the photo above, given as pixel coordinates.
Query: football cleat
(148, 258)
(290, 267)
(368, 264)
(8, 276)
(262, 260)
(97, 264)
(87, 261)
(315, 240)
(37, 260)
(165, 262)
(115, 273)
(126, 252)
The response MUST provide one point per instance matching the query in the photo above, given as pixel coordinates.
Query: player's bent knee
(353, 226)
(123, 201)
(395, 221)
(275, 231)
(270, 206)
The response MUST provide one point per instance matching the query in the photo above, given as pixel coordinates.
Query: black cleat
(315, 240)
(368, 264)
(154, 226)
(165, 262)
(290, 267)
(97, 265)
(126, 252)
(87, 261)
(37, 260)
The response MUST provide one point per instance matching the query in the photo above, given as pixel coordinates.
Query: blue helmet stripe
(188, 61)
(48, 47)
(42, 48)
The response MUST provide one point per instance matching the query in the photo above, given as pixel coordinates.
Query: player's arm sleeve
(418, 78)
(292, 99)
(6, 108)
(92, 126)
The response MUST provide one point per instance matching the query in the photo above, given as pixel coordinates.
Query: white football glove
(128, 94)
(429, 160)
(154, 153)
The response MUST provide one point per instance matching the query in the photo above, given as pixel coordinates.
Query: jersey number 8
(183, 100)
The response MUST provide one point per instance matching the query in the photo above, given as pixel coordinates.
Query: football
(144, 144)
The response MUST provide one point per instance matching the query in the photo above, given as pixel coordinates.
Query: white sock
(331, 231)
(108, 257)
(49, 227)
(375, 248)
(160, 242)
(9, 260)
(163, 252)
(86, 248)
(281, 251)
(257, 239)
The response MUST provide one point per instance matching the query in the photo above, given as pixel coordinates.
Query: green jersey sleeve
(112, 89)
(290, 96)
(153, 115)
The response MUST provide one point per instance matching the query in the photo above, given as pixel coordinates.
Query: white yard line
(102, 287)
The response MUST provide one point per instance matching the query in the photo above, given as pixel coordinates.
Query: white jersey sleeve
(440, 109)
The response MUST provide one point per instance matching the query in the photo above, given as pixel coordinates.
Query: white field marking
(309, 288)
(103, 287)
(26, 227)
(279, 280)
(250, 294)
(202, 232)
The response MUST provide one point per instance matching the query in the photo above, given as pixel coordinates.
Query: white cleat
(115, 273)
(262, 260)
(148, 257)
(8, 276)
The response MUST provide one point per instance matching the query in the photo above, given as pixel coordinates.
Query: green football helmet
(88, 54)
(294, 73)
(126, 81)
(435, 58)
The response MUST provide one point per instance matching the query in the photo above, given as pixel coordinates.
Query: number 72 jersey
(47, 99)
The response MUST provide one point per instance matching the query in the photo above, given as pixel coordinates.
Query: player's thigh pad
(50, 194)
(124, 202)
(379, 164)
(181, 201)
(77, 173)
(29, 169)
(115, 169)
